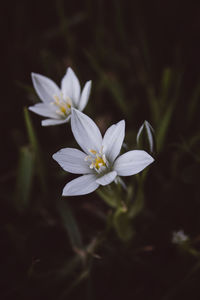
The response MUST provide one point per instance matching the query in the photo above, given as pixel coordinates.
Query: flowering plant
(58, 102)
(100, 162)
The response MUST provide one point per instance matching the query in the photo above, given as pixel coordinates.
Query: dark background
(144, 59)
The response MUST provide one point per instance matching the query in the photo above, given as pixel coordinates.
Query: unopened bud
(145, 137)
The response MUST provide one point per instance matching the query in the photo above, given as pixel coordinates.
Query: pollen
(64, 105)
(99, 162)
(93, 151)
(97, 159)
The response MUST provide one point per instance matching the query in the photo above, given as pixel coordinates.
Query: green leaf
(194, 100)
(30, 130)
(112, 85)
(163, 127)
(70, 224)
(165, 85)
(153, 103)
(24, 178)
(40, 170)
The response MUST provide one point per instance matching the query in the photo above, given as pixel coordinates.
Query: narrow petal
(81, 186)
(85, 95)
(70, 86)
(73, 161)
(113, 139)
(132, 162)
(51, 122)
(85, 131)
(44, 110)
(107, 178)
(45, 87)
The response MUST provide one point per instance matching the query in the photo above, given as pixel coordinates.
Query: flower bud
(145, 137)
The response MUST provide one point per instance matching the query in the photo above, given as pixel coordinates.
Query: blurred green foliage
(143, 59)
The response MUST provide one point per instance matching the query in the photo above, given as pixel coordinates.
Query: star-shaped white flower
(99, 161)
(58, 102)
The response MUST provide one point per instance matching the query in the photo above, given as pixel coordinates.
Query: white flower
(57, 102)
(179, 237)
(99, 161)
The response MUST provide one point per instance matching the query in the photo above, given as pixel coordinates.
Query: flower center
(98, 160)
(63, 105)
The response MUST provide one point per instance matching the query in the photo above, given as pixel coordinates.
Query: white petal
(51, 122)
(132, 162)
(85, 131)
(70, 86)
(44, 110)
(85, 95)
(113, 139)
(45, 87)
(73, 161)
(81, 186)
(107, 178)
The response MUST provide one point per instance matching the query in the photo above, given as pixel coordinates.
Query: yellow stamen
(64, 105)
(93, 151)
(99, 162)
(57, 100)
